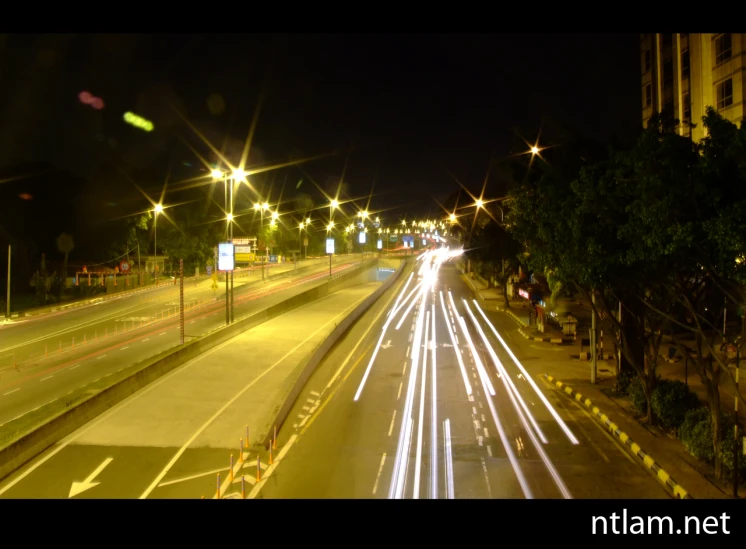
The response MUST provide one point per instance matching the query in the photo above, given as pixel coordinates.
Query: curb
(555, 340)
(664, 478)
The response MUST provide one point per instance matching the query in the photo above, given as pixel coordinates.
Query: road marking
(489, 451)
(310, 400)
(484, 419)
(272, 467)
(123, 348)
(405, 368)
(46, 378)
(410, 338)
(301, 416)
(474, 411)
(192, 322)
(11, 392)
(100, 357)
(486, 433)
(306, 408)
(480, 440)
(200, 475)
(144, 340)
(398, 395)
(391, 427)
(380, 470)
(73, 367)
(314, 393)
(480, 404)
(162, 334)
(477, 425)
(305, 419)
(487, 478)
(409, 348)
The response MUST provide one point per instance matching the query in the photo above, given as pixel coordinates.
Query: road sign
(330, 245)
(361, 237)
(273, 259)
(226, 256)
(124, 266)
(209, 270)
(380, 244)
(305, 242)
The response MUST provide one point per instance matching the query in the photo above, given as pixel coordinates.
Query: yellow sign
(245, 257)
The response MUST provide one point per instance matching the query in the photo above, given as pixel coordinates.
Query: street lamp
(329, 228)
(158, 209)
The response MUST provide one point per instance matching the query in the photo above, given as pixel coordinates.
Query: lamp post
(329, 228)
(158, 209)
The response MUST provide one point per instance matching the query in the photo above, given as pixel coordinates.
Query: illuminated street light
(265, 206)
(479, 203)
(308, 221)
(216, 174)
(239, 174)
(534, 150)
(257, 207)
(275, 215)
(230, 217)
(330, 226)
(334, 203)
(453, 218)
(158, 208)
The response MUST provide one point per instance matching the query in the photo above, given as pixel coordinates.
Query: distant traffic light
(138, 121)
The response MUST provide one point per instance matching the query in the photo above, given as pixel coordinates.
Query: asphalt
(171, 439)
(112, 345)
(355, 449)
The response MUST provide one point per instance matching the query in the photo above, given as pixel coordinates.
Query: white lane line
(391, 427)
(124, 348)
(486, 433)
(268, 473)
(304, 420)
(398, 395)
(192, 322)
(433, 412)
(378, 476)
(484, 419)
(200, 475)
(11, 392)
(314, 393)
(489, 451)
(480, 404)
(310, 401)
(409, 348)
(487, 478)
(480, 440)
(162, 334)
(100, 357)
(306, 408)
(421, 420)
(473, 410)
(448, 459)
(73, 367)
(46, 378)
(144, 340)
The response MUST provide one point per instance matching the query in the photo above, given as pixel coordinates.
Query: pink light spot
(25, 196)
(86, 97)
(97, 103)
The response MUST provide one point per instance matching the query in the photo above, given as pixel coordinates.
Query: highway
(117, 335)
(430, 403)
(171, 439)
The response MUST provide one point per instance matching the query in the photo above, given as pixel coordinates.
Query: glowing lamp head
(275, 215)
(334, 203)
(534, 150)
(239, 174)
(479, 203)
(330, 226)
(158, 208)
(257, 207)
(229, 217)
(453, 218)
(308, 221)
(265, 206)
(216, 174)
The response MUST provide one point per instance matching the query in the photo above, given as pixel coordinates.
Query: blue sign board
(273, 259)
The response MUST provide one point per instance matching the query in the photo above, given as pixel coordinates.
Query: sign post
(181, 301)
(330, 251)
(226, 263)
(7, 302)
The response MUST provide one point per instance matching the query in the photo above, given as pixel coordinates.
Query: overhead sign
(361, 237)
(226, 256)
(138, 122)
(330, 245)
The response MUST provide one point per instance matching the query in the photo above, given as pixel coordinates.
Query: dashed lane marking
(486, 433)
(144, 340)
(11, 392)
(124, 348)
(489, 451)
(75, 366)
(46, 378)
(380, 470)
(398, 395)
(303, 422)
(162, 334)
(100, 357)
(391, 427)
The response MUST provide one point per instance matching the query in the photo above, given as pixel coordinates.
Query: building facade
(683, 74)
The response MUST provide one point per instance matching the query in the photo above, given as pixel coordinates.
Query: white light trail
(434, 414)
(448, 459)
(456, 348)
(477, 360)
(528, 378)
(404, 289)
(510, 387)
(409, 309)
(496, 418)
(398, 479)
(421, 419)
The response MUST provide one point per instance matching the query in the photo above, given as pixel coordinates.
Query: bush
(623, 380)
(671, 400)
(637, 395)
(695, 433)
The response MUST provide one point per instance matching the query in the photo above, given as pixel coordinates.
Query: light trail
(456, 348)
(500, 430)
(450, 492)
(434, 414)
(510, 387)
(477, 360)
(398, 479)
(530, 380)
(401, 293)
(421, 419)
(409, 309)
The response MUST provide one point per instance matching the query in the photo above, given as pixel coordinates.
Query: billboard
(408, 241)
(330, 245)
(226, 259)
(361, 237)
(380, 244)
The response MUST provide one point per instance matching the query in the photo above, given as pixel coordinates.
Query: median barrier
(95, 402)
(309, 364)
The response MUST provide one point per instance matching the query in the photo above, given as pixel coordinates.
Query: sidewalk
(696, 477)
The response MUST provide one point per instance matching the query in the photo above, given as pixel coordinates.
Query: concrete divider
(314, 358)
(75, 415)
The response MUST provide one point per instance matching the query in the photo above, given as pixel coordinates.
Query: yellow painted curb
(676, 489)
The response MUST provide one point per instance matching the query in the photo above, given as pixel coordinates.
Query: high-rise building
(682, 74)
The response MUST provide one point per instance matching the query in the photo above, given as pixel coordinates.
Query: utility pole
(594, 350)
(736, 447)
(231, 239)
(139, 266)
(181, 301)
(7, 301)
(330, 266)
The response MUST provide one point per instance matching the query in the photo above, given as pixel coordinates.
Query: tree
(496, 252)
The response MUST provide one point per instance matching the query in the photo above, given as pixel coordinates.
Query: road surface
(172, 438)
(431, 428)
(115, 339)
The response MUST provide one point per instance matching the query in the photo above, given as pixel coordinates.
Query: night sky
(409, 107)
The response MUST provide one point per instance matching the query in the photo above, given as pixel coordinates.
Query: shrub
(671, 400)
(637, 395)
(623, 379)
(695, 433)
(729, 444)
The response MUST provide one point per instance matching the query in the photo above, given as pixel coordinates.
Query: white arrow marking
(87, 484)
(446, 345)
(386, 345)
